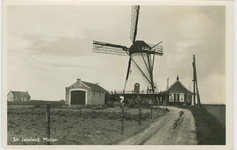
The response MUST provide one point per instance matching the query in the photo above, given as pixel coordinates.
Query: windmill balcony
(132, 92)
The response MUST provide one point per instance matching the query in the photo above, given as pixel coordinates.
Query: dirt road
(170, 129)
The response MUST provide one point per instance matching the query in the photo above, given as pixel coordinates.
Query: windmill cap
(138, 46)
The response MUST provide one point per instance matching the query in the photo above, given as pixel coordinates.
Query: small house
(18, 96)
(84, 93)
(178, 93)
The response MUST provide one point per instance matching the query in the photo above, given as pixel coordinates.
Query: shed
(18, 96)
(84, 93)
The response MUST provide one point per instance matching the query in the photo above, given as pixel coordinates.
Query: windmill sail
(135, 14)
(141, 56)
(108, 48)
(157, 49)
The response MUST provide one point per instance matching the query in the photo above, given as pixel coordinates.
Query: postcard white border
(229, 70)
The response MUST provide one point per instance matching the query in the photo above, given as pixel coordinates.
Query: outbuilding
(84, 93)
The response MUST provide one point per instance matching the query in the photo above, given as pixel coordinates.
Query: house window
(181, 97)
(93, 93)
(171, 97)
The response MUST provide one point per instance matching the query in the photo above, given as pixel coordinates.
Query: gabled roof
(20, 94)
(176, 83)
(95, 87)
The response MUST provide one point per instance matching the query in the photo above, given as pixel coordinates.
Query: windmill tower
(141, 56)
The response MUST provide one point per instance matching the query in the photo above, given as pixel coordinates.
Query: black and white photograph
(103, 73)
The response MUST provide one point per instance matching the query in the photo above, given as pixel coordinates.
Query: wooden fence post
(48, 122)
(166, 102)
(122, 106)
(151, 111)
(163, 105)
(158, 106)
(139, 101)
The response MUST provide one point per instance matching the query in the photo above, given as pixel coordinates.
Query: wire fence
(55, 124)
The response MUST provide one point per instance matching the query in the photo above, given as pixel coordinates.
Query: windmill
(141, 56)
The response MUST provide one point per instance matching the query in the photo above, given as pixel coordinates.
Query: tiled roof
(20, 94)
(94, 87)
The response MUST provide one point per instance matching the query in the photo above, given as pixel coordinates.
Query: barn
(84, 93)
(178, 93)
(18, 96)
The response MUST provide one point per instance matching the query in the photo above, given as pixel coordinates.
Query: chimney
(177, 77)
(79, 80)
(97, 83)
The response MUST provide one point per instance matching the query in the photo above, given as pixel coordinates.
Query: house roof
(178, 82)
(94, 87)
(20, 94)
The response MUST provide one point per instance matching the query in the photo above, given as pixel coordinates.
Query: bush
(132, 104)
(110, 104)
(100, 107)
(117, 103)
(37, 106)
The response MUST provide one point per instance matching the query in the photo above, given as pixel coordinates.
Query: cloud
(48, 39)
(187, 44)
(42, 21)
(17, 42)
(212, 88)
(53, 30)
(50, 46)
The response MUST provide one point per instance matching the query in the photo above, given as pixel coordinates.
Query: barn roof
(20, 94)
(95, 87)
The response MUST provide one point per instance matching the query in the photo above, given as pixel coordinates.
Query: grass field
(73, 126)
(209, 130)
(20, 106)
(218, 111)
(35, 102)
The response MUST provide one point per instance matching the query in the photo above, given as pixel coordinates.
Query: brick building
(83, 93)
(18, 96)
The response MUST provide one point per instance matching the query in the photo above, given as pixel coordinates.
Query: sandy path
(164, 132)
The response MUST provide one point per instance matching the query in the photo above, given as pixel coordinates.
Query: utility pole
(195, 83)
(194, 94)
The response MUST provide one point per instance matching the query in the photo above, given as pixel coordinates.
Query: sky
(49, 47)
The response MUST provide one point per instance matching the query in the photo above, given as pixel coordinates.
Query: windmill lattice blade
(129, 65)
(156, 49)
(128, 71)
(107, 48)
(134, 21)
